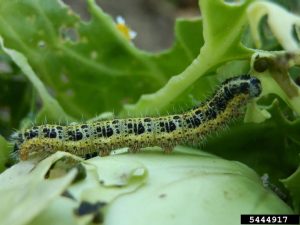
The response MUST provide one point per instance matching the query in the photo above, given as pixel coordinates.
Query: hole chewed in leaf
(63, 166)
(87, 208)
(296, 33)
(69, 34)
(80, 8)
(41, 44)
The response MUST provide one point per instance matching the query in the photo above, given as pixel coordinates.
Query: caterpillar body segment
(99, 138)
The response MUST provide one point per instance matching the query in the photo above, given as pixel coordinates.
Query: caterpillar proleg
(99, 138)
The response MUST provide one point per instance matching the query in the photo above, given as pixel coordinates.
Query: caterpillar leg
(133, 149)
(102, 146)
(103, 153)
(24, 152)
(90, 155)
(167, 149)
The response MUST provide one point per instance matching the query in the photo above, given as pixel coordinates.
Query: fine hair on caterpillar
(101, 137)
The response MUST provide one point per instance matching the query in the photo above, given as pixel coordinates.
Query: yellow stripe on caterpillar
(99, 138)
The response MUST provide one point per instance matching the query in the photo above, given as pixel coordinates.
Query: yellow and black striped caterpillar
(99, 138)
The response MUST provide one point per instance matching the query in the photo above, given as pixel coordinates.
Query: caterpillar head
(255, 88)
(245, 84)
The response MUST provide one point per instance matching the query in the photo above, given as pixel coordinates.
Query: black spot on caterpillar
(99, 138)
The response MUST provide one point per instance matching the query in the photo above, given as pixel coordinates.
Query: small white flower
(120, 20)
(124, 29)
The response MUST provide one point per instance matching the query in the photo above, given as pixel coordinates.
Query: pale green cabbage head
(187, 187)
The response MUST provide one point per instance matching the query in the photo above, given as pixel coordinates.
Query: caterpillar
(101, 137)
